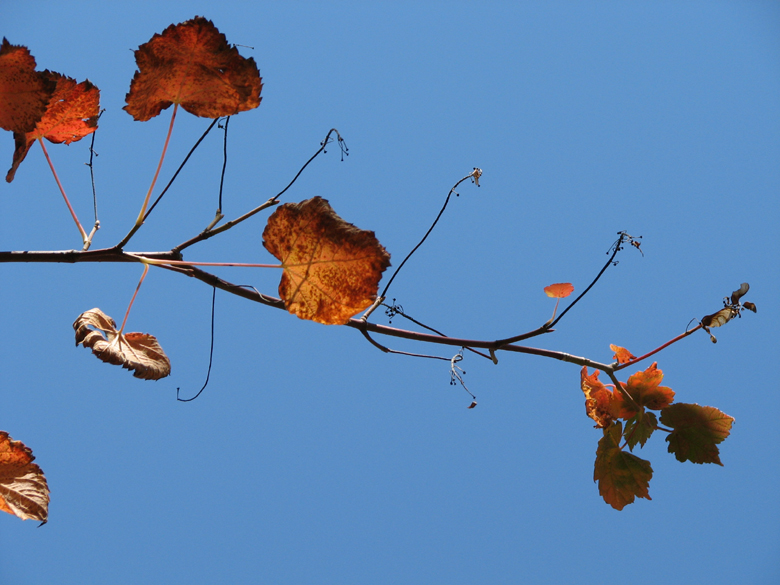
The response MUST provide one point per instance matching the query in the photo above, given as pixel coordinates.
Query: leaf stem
(130, 306)
(155, 262)
(140, 220)
(62, 190)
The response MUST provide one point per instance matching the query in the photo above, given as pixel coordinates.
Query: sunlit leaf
(601, 404)
(720, 318)
(332, 269)
(622, 355)
(24, 92)
(193, 65)
(644, 388)
(138, 352)
(23, 489)
(559, 290)
(696, 431)
(71, 115)
(622, 477)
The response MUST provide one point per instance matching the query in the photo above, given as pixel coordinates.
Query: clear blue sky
(314, 458)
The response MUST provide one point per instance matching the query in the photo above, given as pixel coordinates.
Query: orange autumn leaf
(601, 404)
(559, 290)
(622, 477)
(71, 115)
(138, 352)
(24, 92)
(697, 430)
(331, 268)
(193, 65)
(644, 388)
(622, 355)
(23, 489)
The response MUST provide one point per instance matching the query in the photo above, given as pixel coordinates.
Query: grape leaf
(639, 428)
(71, 115)
(601, 404)
(621, 476)
(331, 268)
(24, 92)
(697, 431)
(622, 355)
(193, 65)
(138, 352)
(559, 290)
(23, 489)
(644, 388)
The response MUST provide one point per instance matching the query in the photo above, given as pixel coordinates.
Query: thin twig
(475, 174)
(210, 233)
(211, 352)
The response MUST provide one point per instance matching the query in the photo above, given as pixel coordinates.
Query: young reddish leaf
(134, 351)
(559, 290)
(639, 428)
(644, 388)
(697, 431)
(24, 92)
(622, 355)
(71, 115)
(331, 268)
(601, 404)
(193, 65)
(621, 476)
(23, 489)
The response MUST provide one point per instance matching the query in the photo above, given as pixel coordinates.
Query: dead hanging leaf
(332, 269)
(71, 115)
(192, 64)
(559, 290)
(622, 355)
(23, 489)
(24, 92)
(697, 430)
(739, 293)
(622, 477)
(139, 352)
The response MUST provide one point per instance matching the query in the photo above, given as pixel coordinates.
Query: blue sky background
(314, 458)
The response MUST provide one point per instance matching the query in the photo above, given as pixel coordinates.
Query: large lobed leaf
(331, 268)
(622, 477)
(138, 352)
(24, 92)
(71, 115)
(697, 430)
(192, 64)
(23, 489)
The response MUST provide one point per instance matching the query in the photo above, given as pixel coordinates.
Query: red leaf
(192, 64)
(601, 404)
(622, 355)
(24, 92)
(71, 115)
(644, 388)
(559, 290)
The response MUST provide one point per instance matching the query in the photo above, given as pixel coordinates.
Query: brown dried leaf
(134, 351)
(332, 269)
(23, 489)
(192, 64)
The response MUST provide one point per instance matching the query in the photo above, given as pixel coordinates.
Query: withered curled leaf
(23, 489)
(138, 352)
(739, 293)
